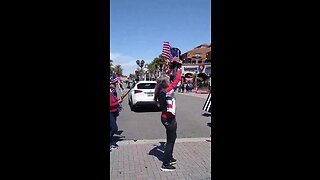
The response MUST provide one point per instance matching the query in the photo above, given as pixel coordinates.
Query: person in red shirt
(164, 94)
(115, 109)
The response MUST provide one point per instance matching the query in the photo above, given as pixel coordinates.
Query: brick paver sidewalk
(143, 159)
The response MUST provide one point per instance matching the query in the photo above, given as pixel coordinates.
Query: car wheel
(158, 106)
(131, 106)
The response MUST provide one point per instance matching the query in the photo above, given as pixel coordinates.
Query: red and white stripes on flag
(166, 51)
(119, 80)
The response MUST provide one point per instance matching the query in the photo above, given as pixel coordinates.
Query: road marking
(152, 141)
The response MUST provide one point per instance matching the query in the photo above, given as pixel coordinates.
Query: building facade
(195, 58)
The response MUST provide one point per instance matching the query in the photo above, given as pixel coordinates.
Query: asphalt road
(145, 123)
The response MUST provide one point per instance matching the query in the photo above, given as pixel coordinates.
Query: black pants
(171, 130)
(113, 124)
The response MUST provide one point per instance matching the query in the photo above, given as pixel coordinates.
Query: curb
(194, 95)
(153, 141)
(202, 92)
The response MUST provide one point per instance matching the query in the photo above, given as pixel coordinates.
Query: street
(145, 122)
(141, 139)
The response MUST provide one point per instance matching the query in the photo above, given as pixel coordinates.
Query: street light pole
(161, 66)
(145, 75)
(195, 81)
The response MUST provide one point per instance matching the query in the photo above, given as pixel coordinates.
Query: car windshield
(146, 85)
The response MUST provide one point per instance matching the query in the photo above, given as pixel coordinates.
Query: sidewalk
(203, 96)
(142, 160)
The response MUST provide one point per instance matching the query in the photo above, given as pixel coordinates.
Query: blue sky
(138, 28)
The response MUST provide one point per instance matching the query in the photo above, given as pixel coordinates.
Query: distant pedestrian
(164, 94)
(115, 109)
(178, 87)
(182, 87)
(120, 82)
(190, 86)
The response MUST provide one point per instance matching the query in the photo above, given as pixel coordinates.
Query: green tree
(118, 70)
(154, 66)
(139, 72)
(151, 67)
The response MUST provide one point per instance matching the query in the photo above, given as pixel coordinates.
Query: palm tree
(118, 70)
(139, 72)
(158, 63)
(152, 69)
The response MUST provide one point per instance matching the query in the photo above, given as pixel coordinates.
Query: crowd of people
(164, 94)
(185, 87)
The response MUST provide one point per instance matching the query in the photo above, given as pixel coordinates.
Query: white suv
(142, 94)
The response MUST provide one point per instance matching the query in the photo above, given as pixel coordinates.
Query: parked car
(142, 94)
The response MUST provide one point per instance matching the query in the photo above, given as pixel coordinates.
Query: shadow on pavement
(158, 151)
(206, 114)
(146, 109)
(118, 137)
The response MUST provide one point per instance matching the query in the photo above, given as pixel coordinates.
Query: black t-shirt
(162, 100)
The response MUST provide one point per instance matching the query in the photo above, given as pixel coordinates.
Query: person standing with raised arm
(164, 94)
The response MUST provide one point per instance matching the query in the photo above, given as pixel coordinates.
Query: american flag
(166, 51)
(172, 54)
(117, 78)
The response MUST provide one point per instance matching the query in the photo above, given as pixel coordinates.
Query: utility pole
(195, 80)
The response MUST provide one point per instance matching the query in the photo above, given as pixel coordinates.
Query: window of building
(197, 55)
(200, 61)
